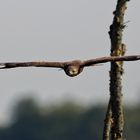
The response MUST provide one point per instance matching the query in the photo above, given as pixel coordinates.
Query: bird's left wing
(100, 60)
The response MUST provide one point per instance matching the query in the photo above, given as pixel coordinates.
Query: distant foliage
(64, 122)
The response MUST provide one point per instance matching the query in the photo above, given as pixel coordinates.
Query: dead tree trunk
(114, 121)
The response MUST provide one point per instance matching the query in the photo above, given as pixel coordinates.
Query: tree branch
(107, 122)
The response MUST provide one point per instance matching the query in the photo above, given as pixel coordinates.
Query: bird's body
(73, 68)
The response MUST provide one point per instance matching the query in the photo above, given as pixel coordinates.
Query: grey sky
(59, 30)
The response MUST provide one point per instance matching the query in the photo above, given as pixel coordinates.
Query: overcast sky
(60, 30)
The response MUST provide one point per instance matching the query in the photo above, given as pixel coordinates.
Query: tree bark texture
(114, 121)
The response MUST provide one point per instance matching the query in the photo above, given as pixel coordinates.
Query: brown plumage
(71, 68)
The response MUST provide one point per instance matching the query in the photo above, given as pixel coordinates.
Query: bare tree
(114, 122)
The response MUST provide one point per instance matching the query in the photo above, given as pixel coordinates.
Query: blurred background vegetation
(67, 121)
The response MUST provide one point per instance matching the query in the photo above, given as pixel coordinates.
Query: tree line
(67, 121)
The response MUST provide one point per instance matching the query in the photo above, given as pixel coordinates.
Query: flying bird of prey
(71, 68)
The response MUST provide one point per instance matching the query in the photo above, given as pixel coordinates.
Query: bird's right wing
(9, 65)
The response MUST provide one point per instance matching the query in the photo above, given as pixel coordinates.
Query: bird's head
(73, 68)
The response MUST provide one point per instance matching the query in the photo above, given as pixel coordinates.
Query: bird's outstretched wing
(100, 60)
(32, 64)
(71, 68)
